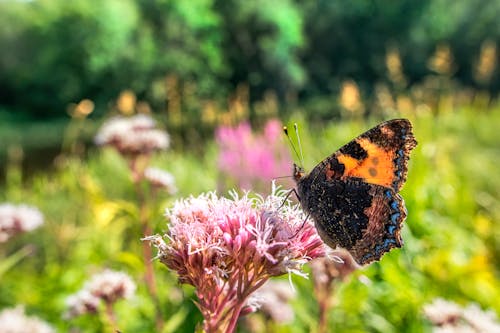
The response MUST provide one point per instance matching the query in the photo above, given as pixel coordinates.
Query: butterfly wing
(365, 219)
(352, 195)
(378, 156)
(386, 215)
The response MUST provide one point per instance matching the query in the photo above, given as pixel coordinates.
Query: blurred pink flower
(337, 266)
(132, 135)
(14, 320)
(81, 303)
(252, 160)
(107, 286)
(447, 316)
(327, 272)
(228, 248)
(273, 299)
(15, 219)
(111, 285)
(160, 179)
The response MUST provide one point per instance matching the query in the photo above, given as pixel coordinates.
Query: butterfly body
(352, 195)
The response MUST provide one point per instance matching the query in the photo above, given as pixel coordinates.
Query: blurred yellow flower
(442, 60)
(126, 102)
(350, 97)
(487, 62)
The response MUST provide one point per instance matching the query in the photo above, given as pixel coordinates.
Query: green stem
(149, 276)
(111, 317)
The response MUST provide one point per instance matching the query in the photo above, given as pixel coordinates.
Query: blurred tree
(61, 51)
(349, 40)
(464, 26)
(56, 52)
(185, 41)
(261, 43)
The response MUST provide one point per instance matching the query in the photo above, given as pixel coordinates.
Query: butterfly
(352, 195)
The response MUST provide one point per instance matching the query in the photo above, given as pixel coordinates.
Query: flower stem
(149, 277)
(323, 318)
(325, 302)
(111, 317)
(234, 317)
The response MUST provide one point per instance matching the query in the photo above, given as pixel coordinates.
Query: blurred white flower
(81, 303)
(18, 218)
(161, 179)
(14, 320)
(441, 312)
(111, 286)
(481, 321)
(132, 135)
(108, 287)
(450, 317)
(338, 266)
(274, 298)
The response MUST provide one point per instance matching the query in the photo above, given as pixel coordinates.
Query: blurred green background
(335, 67)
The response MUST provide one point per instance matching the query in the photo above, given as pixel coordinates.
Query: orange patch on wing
(348, 161)
(377, 168)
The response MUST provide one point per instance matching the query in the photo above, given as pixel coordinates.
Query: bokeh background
(222, 77)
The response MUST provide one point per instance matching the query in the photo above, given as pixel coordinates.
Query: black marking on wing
(354, 150)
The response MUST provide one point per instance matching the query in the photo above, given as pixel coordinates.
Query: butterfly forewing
(378, 156)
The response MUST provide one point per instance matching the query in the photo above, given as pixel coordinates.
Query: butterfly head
(298, 172)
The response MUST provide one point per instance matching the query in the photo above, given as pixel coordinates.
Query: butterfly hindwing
(363, 218)
(385, 220)
(378, 156)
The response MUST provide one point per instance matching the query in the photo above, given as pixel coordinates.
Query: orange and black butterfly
(352, 195)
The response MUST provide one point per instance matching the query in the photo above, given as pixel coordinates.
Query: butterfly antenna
(285, 130)
(281, 177)
(300, 145)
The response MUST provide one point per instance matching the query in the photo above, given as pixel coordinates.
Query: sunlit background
(212, 82)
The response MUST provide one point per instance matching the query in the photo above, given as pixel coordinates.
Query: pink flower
(228, 248)
(249, 159)
(14, 320)
(273, 300)
(132, 135)
(160, 179)
(111, 286)
(15, 219)
(338, 266)
(81, 303)
(447, 316)
(108, 286)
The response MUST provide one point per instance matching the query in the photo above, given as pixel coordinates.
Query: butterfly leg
(302, 226)
(288, 196)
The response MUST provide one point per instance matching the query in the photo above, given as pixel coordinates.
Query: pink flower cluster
(447, 316)
(228, 248)
(16, 219)
(132, 135)
(273, 299)
(108, 286)
(252, 160)
(14, 320)
(160, 179)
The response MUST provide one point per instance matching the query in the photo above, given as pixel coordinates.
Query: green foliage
(261, 43)
(452, 239)
(60, 52)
